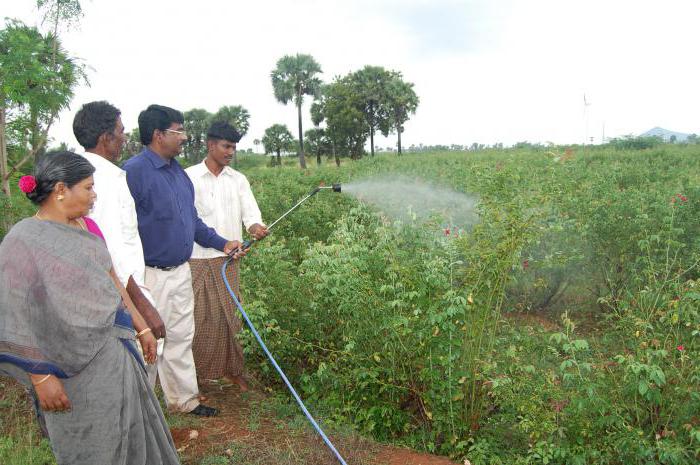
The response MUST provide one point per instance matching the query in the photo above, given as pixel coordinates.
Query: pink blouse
(93, 228)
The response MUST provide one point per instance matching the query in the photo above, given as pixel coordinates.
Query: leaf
(643, 387)
(657, 376)
(580, 344)
(557, 338)
(529, 369)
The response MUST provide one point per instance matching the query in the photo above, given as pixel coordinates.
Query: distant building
(666, 135)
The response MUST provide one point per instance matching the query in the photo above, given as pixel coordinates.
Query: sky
(486, 71)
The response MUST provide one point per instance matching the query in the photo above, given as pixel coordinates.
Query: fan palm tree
(197, 120)
(292, 79)
(235, 115)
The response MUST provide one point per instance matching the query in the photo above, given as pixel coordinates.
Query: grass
(181, 420)
(20, 439)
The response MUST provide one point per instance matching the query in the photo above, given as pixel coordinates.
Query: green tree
(339, 107)
(61, 147)
(402, 102)
(60, 12)
(317, 143)
(132, 147)
(236, 116)
(292, 79)
(277, 139)
(197, 121)
(37, 80)
(371, 84)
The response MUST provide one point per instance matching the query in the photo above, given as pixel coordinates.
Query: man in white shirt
(99, 130)
(224, 200)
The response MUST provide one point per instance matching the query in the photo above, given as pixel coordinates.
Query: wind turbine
(602, 138)
(586, 104)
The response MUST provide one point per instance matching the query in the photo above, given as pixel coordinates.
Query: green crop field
(562, 327)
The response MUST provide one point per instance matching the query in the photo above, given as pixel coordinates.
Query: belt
(164, 268)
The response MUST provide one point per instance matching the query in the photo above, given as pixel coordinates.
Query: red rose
(27, 184)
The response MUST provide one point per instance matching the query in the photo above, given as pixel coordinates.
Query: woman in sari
(65, 334)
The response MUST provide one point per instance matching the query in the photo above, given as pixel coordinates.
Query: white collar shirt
(115, 214)
(223, 202)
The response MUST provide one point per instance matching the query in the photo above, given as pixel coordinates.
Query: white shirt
(115, 214)
(222, 202)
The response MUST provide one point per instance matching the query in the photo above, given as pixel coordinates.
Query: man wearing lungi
(224, 200)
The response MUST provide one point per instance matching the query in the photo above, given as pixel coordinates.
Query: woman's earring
(59, 197)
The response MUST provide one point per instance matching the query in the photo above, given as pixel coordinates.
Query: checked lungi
(217, 352)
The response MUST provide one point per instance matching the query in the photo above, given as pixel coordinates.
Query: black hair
(93, 120)
(67, 167)
(157, 117)
(222, 130)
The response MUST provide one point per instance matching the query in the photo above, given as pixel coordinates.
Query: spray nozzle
(336, 188)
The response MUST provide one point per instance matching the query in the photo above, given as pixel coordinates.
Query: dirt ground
(246, 427)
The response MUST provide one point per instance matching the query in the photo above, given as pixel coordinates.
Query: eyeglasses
(179, 133)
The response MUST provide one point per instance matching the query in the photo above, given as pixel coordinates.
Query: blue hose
(277, 367)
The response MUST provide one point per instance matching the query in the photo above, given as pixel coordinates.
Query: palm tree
(197, 121)
(238, 117)
(294, 77)
(235, 115)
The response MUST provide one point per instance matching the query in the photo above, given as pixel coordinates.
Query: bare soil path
(254, 428)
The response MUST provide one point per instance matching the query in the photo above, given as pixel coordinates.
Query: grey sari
(60, 313)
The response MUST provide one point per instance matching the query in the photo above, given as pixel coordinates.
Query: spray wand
(246, 245)
(249, 243)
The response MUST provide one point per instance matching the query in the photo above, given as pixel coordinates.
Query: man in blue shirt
(169, 225)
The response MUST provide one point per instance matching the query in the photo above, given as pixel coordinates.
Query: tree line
(345, 113)
(351, 108)
(38, 79)
(197, 122)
